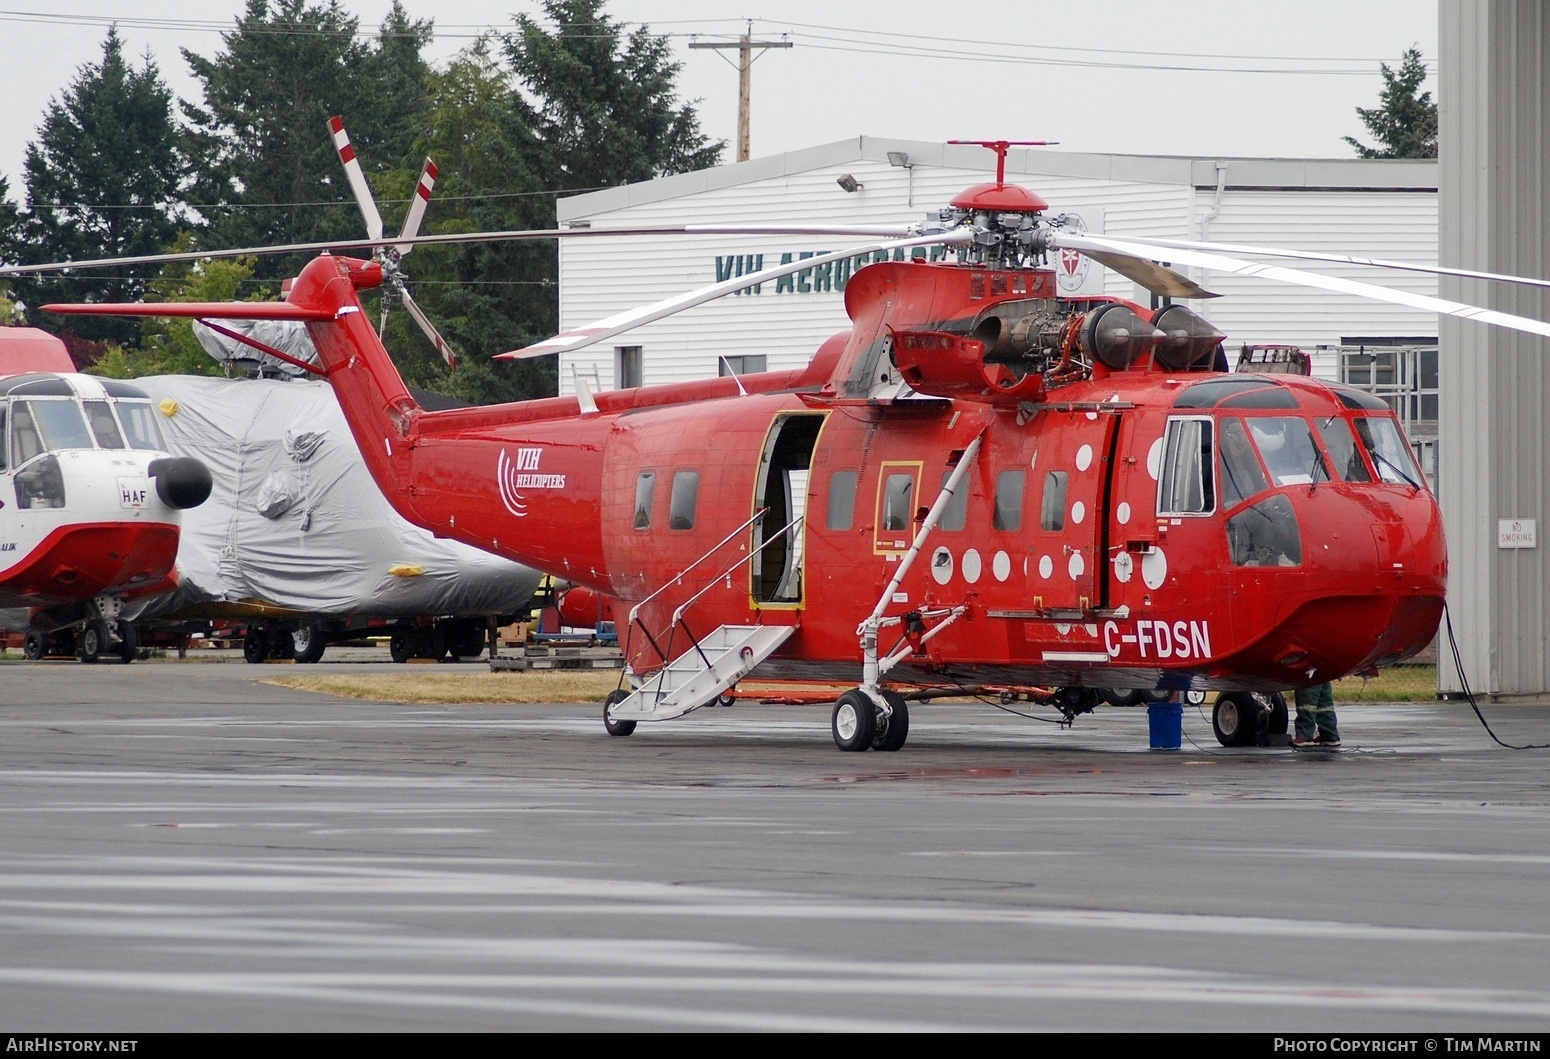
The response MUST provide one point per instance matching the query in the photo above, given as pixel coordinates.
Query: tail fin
(376, 403)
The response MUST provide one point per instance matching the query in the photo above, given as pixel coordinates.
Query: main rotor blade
(443, 347)
(1155, 277)
(1237, 266)
(580, 338)
(1348, 259)
(454, 238)
(417, 204)
(352, 171)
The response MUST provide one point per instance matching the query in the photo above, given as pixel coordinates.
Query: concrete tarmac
(184, 847)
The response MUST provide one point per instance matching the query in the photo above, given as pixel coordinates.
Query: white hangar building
(1380, 209)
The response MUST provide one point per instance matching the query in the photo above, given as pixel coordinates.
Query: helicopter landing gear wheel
(398, 646)
(35, 645)
(617, 728)
(128, 641)
(854, 721)
(94, 641)
(1237, 719)
(894, 729)
(1277, 723)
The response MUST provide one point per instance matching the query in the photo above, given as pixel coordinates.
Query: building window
(628, 371)
(741, 365)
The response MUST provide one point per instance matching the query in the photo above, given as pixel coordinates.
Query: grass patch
(1394, 684)
(543, 685)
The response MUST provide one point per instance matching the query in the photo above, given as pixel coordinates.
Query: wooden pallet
(541, 657)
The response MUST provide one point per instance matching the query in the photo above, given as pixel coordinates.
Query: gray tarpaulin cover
(295, 520)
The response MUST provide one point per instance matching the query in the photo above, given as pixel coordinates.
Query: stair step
(688, 682)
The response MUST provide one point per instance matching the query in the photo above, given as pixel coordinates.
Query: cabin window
(1286, 446)
(103, 426)
(1343, 451)
(842, 500)
(955, 514)
(1008, 514)
(898, 495)
(645, 486)
(1052, 509)
(1242, 476)
(686, 492)
(1390, 455)
(1265, 534)
(1186, 486)
(140, 425)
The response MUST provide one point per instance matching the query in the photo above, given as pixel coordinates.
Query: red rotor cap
(1001, 198)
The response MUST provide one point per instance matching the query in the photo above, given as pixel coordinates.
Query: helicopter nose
(181, 481)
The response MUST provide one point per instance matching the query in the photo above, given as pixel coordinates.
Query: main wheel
(255, 645)
(128, 641)
(854, 721)
(398, 646)
(619, 728)
(309, 643)
(1124, 697)
(1237, 719)
(35, 645)
(894, 729)
(94, 640)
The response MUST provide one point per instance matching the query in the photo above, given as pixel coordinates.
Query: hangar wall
(1495, 385)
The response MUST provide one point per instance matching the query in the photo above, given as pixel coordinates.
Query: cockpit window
(1390, 455)
(39, 426)
(1343, 453)
(140, 425)
(1242, 476)
(1286, 445)
(103, 426)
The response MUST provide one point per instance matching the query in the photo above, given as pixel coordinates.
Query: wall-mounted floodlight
(899, 159)
(850, 183)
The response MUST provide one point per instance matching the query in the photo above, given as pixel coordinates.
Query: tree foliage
(513, 121)
(265, 167)
(1405, 121)
(602, 103)
(102, 180)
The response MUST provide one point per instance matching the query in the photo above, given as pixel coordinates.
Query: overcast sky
(1189, 77)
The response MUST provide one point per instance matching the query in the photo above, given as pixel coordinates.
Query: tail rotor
(389, 256)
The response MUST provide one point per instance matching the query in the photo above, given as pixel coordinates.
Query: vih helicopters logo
(516, 475)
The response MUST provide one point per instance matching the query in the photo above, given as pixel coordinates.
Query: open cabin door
(781, 489)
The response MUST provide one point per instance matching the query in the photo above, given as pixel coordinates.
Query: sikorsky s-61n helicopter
(978, 485)
(89, 499)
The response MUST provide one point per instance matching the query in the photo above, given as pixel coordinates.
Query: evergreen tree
(266, 167)
(1405, 121)
(103, 180)
(603, 104)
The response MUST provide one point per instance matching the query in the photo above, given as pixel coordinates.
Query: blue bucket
(1166, 722)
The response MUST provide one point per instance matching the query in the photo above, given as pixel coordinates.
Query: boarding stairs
(703, 673)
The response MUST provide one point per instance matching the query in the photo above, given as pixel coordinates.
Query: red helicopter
(89, 500)
(978, 487)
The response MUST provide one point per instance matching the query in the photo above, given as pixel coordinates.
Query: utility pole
(745, 45)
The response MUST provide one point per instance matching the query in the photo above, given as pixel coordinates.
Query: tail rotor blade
(417, 204)
(357, 178)
(448, 354)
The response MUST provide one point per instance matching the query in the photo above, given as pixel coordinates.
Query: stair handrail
(677, 619)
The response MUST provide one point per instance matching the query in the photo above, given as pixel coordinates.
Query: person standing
(1316, 724)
